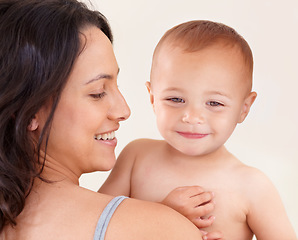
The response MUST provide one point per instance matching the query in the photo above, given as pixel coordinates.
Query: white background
(268, 138)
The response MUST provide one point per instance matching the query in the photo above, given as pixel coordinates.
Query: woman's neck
(54, 171)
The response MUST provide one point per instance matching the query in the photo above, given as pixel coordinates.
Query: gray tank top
(105, 217)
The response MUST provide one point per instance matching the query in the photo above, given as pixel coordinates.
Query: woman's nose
(120, 110)
(193, 115)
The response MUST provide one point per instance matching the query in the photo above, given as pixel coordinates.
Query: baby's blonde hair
(196, 35)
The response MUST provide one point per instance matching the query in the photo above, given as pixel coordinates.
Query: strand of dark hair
(39, 43)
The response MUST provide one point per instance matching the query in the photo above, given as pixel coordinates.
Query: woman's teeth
(105, 136)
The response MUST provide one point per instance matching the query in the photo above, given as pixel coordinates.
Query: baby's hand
(212, 235)
(192, 202)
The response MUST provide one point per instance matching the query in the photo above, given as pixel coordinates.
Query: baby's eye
(176, 100)
(214, 104)
(98, 95)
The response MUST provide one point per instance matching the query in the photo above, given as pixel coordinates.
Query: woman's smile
(107, 138)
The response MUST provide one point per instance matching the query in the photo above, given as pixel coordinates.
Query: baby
(200, 89)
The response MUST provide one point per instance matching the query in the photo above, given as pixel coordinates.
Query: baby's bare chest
(153, 182)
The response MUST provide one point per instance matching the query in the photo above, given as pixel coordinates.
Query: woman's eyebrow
(101, 76)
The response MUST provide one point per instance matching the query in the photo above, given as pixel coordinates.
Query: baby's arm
(267, 217)
(118, 182)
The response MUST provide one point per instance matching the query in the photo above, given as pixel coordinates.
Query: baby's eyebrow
(219, 93)
(172, 89)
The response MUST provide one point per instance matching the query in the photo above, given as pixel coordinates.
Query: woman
(59, 110)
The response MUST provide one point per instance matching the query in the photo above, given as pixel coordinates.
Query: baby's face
(199, 97)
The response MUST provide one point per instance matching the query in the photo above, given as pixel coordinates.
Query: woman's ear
(148, 85)
(246, 106)
(33, 125)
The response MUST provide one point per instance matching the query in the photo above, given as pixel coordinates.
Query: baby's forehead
(171, 57)
(171, 46)
(179, 47)
(171, 53)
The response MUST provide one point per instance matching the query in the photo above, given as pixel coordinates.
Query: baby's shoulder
(136, 151)
(145, 144)
(146, 141)
(143, 149)
(253, 174)
(253, 179)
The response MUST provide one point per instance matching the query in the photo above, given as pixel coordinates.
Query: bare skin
(90, 106)
(243, 206)
(73, 212)
(198, 99)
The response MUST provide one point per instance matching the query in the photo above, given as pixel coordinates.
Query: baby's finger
(197, 212)
(203, 222)
(203, 210)
(191, 191)
(213, 236)
(202, 198)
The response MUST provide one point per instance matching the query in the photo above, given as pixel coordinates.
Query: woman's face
(89, 111)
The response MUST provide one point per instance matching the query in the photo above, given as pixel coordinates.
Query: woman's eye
(215, 104)
(176, 100)
(98, 95)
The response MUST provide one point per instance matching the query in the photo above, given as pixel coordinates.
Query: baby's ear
(246, 106)
(33, 125)
(148, 85)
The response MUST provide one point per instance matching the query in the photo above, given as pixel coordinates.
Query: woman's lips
(107, 138)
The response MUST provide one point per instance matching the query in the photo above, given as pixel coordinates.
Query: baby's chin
(185, 151)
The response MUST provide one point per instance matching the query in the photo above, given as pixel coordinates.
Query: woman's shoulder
(131, 219)
(58, 213)
(136, 219)
(74, 214)
(77, 212)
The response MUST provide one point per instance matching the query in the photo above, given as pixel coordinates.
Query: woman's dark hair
(39, 43)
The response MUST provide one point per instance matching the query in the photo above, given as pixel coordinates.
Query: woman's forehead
(97, 57)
